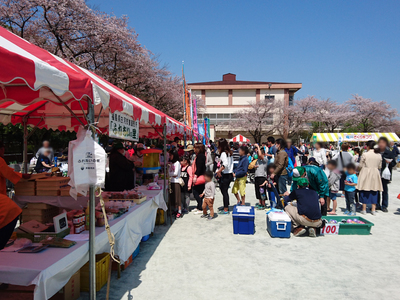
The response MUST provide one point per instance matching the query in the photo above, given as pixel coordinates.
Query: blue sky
(335, 48)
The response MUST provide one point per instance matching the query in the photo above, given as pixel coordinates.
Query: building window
(269, 97)
(291, 98)
(269, 119)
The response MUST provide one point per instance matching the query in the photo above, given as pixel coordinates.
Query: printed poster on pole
(122, 126)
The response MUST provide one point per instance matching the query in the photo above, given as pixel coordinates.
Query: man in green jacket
(318, 182)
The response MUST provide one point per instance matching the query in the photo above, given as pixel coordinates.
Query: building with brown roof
(223, 99)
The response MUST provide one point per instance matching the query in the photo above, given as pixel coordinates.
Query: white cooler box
(279, 224)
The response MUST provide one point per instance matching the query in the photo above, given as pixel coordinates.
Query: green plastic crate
(351, 229)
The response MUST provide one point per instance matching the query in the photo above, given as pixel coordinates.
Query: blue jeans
(350, 204)
(282, 183)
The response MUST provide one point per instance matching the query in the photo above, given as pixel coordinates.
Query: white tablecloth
(51, 269)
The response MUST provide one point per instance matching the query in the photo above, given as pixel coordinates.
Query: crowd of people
(313, 175)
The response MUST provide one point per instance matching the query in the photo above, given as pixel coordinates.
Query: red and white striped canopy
(49, 92)
(240, 138)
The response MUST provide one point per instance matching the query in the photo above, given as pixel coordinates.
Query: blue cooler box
(279, 224)
(243, 220)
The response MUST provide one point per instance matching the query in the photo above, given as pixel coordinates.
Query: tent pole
(92, 224)
(25, 147)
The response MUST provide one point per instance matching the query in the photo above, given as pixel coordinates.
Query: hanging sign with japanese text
(123, 127)
(359, 137)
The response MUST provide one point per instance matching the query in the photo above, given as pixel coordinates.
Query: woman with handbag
(343, 158)
(225, 172)
(369, 180)
(175, 195)
(199, 168)
(388, 162)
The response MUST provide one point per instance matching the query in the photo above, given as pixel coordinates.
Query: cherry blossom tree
(291, 120)
(331, 114)
(369, 115)
(99, 42)
(258, 119)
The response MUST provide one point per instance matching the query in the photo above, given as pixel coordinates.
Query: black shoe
(384, 209)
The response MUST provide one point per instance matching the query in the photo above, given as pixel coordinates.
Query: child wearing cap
(307, 212)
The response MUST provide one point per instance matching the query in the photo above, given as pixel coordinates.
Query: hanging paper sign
(122, 126)
(359, 137)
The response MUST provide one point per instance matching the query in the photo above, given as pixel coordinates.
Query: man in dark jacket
(241, 176)
(121, 175)
(307, 212)
(387, 155)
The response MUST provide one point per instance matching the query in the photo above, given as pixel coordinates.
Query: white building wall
(279, 94)
(243, 97)
(217, 97)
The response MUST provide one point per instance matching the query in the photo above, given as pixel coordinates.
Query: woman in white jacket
(175, 188)
(225, 172)
(319, 154)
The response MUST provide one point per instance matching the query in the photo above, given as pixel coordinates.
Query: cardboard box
(48, 192)
(72, 290)
(52, 183)
(39, 206)
(25, 188)
(40, 212)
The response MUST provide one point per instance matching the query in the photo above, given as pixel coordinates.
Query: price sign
(330, 229)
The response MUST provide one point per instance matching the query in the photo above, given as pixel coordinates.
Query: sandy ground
(199, 259)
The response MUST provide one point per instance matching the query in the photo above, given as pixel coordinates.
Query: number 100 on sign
(330, 229)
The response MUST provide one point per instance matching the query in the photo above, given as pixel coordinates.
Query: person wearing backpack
(281, 162)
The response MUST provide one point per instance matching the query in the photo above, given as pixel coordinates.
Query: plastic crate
(125, 264)
(136, 252)
(102, 263)
(160, 218)
(243, 222)
(145, 238)
(351, 229)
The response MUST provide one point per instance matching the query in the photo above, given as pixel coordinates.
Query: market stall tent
(354, 137)
(46, 91)
(240, 138)
(42, 90)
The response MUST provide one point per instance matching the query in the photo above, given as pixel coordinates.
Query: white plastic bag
(87, 164)
(386, 171)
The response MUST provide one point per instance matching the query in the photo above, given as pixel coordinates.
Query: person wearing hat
(317, 181)
(121, 175)
(307, 212)
(190, 152)
(313, 161)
